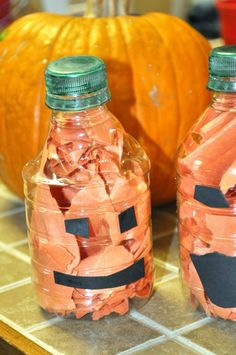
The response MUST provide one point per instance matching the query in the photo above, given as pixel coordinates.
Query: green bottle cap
(76, 83)
(222, 69)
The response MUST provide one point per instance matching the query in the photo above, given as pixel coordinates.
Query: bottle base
(96, 312)
(201, 302)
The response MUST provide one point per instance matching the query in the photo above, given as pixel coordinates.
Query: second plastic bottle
(207, 194)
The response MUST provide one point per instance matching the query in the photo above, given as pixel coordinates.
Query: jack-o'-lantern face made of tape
(216, 271)
(80, 227)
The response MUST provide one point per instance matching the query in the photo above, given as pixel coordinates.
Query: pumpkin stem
(106, 8)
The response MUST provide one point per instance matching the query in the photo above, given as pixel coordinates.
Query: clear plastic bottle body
(207, 207)
(88, 215)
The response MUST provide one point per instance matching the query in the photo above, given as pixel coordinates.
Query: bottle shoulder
(75, 152)
(207, 156)
(212, 126)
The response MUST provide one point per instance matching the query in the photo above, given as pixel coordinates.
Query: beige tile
(167, 249)
(161, 273)
(23, 248)
(164, 222)
(6, 193)
(12, 269)
(218, 337)
(8, 205)
(107, 336)
(20, 306)
(165, 236)
(169, 347)
(169, 307)
(13, 228)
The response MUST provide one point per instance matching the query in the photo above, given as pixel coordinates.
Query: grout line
(18, 243)
(166, 265)
(146, 345)
(193, 346)
(192, 326)
(11, 212)
(169, 333)
(150, 323)
(175, 335)
(166, 278)
(15, 284)
(44, 324)
(29, 336)
(14, 252)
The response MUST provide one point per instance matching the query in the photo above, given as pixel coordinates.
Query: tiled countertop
(166, 325)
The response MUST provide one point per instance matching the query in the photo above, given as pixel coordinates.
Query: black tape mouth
(124, 277)
(217, 273)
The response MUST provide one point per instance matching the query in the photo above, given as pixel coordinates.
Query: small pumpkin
(157, 70)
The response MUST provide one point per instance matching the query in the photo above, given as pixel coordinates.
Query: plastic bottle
(88, 200)
(207, 194)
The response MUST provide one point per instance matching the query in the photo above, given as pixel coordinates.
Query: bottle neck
(80, 119)
(224, 101)
(77, 102)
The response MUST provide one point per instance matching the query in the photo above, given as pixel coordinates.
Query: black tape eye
(77, 226)
(127, 220)
(210, 196)
(217, 274)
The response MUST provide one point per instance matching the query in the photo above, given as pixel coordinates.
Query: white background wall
(175, 7)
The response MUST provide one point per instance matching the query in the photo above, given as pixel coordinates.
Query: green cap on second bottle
(222, 69)
(76, 83)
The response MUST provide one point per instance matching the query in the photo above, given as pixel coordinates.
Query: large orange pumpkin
(157, 71)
